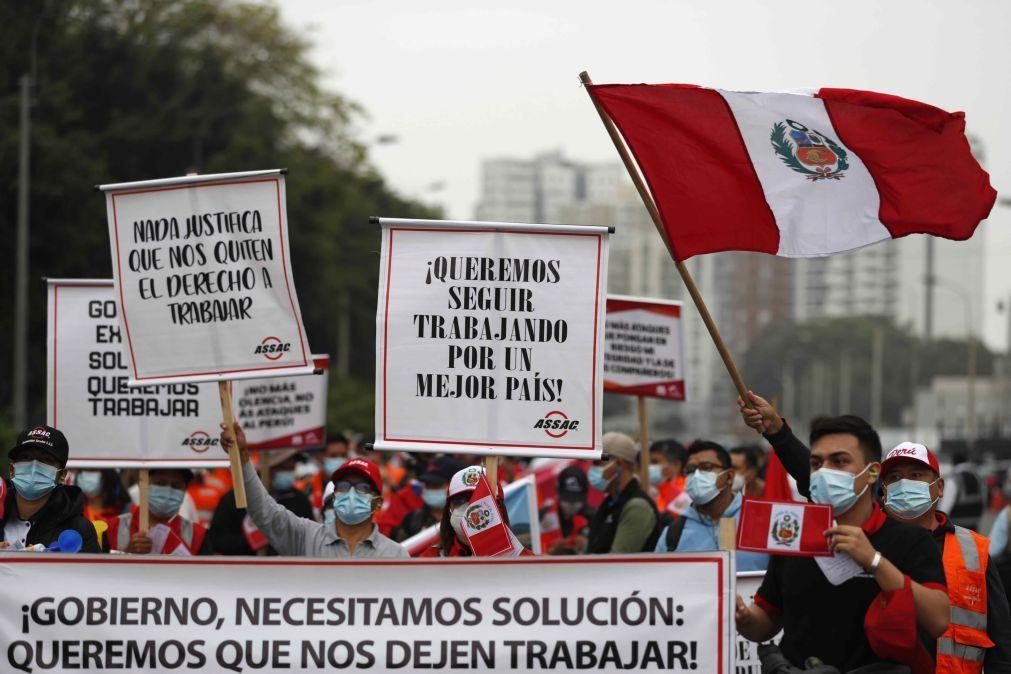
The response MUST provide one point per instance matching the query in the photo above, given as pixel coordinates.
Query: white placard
(488, 338)
(108, 424)
(284, 412)
(127, 613)
(203, 278)
(644, 347)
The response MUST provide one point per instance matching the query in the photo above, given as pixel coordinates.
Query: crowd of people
(918, 567)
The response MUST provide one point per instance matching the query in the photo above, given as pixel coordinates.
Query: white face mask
(456, 521)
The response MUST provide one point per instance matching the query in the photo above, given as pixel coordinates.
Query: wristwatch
(873, 568)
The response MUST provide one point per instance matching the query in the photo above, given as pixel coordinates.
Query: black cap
(572, 484)
(44, 438)
(441, 470)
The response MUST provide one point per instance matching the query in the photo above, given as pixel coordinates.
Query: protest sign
(203, 278)
(487, 338)
(645, 613)
(746, 652)
(644, 348)
(284, 412)
(107, 423)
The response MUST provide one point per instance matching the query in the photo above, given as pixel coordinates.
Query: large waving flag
(798, 175)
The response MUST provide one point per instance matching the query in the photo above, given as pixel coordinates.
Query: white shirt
(16, 532)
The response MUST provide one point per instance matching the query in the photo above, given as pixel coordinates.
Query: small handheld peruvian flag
(485, 528)
(784, 528)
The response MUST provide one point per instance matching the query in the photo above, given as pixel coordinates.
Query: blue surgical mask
(164, 501)
(90, 481)
(909, 499)
(329, 517)
(655, 474)
(595, 475)
(332, 463)
(835, 488)
(434, 498)
(283, 480)
(701, 486)
(353, 508)
(34, 479)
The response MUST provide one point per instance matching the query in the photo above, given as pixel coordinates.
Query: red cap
(911, 452)
(360, 467)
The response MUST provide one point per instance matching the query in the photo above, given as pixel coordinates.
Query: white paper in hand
(838, 568)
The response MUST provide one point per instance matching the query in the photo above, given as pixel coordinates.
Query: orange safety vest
(186, 533)
(962, 648)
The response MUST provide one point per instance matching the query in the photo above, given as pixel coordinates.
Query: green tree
(130, 91)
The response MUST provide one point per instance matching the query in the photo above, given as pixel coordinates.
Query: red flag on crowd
(784, 528)
(485, 527)
(797, 175)
(777, 481)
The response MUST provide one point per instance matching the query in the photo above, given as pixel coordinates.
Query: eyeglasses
(705, 467)
(361, 487)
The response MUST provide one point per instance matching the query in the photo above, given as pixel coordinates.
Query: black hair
(849, 424)
(710, 446)
(750, 453)
(336, 437)
(671, 449)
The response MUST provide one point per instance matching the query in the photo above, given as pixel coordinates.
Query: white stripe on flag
(814, 217)
(481, 516)
(786, 521)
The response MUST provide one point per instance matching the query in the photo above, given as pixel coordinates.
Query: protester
(178, 535)
(666, 473)
(335, 452)
(824, 620)
(205, 493)
(1000, 542)
(966, 494)
(746, 460)
(452, 540)
(979, 636)
(232, 530)
(358, 487)
(39, 506)
(104, 496)
(574, 512)
(626, 519)
(710, 485)
(419, 504)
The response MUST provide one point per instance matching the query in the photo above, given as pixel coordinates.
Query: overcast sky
(457, 82)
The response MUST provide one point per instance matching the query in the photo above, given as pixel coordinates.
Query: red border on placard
(56, 558)
(648, 390)
(785, 553)
(284, 266)
(596, 318)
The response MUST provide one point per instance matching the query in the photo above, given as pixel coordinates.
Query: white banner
(746, 652)
(653, 613)
(107, 423)
(284, 412)
(488, 338)
(644, 348)
(203, 278)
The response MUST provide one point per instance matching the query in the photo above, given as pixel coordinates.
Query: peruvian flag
(485, 528)
(798, 175)
(784, 528)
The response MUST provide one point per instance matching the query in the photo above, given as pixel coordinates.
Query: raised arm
(795, 456)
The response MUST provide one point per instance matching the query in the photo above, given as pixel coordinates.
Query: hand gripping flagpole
(689, 282)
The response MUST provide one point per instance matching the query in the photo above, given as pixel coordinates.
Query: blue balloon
(69, 540)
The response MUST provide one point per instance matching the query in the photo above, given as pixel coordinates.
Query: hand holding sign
(239, 442)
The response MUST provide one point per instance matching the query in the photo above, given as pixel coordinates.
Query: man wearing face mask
(165, 496)
(419, 504)
(666, 473)
(358, 486)
(826, 621)
(38, 505)
(979, 636)
(745, 460)
(626, 520)
(710, 484)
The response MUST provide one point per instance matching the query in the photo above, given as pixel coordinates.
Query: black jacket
(225, 534)
(64, 510)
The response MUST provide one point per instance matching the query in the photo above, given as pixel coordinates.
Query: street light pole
(19, 411)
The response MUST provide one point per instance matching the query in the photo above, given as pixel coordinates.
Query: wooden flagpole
(643, 443)
(144, 490)
(689, 282)
(235, 463)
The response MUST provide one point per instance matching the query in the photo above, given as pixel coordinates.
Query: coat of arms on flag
(811, 153)
(784, 528)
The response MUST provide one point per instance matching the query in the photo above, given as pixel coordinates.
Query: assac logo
(478, 517)
(557, 423)
(272, 348)
(200, 442)
(39, 433)
(809, 152)
(786, 529)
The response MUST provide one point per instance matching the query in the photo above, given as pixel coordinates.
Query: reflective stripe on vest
(967, 618)
(967, 544)
(947, 646)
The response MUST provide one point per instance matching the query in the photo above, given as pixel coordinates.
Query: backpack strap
(674, 532)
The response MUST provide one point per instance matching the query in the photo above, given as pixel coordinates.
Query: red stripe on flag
(691, 153)
(919, 158)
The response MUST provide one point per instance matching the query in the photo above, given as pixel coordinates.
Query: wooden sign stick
(235, 463)
(144, 486)
(643, 443)
(491, 472)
